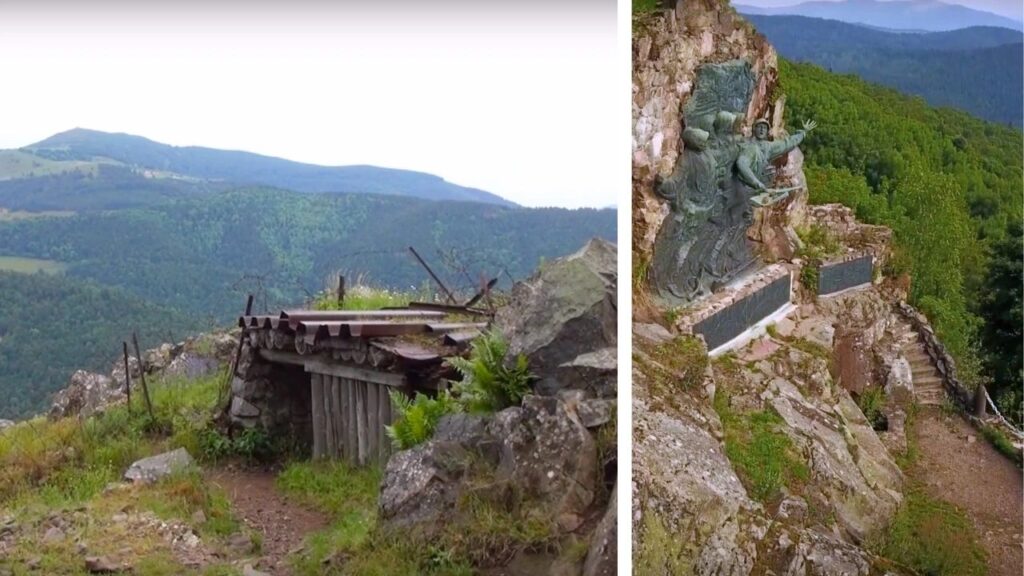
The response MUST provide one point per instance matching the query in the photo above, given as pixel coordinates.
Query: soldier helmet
(760, 121)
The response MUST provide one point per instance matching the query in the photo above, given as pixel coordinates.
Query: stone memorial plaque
(839, 277)
(730, 322)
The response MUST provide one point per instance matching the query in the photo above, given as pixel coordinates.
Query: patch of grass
(364, 297)
(933, 537)
(489, 533)
(1001, 442)
(764, 457)
(348, 494)
(870, 402)
(71, 459)
(685, 359)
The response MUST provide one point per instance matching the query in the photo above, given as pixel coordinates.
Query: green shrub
(809, 277)
(416, 419)
(488, 383)
(870, 402)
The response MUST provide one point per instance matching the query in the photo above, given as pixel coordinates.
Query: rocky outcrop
(695, 508)
(563, 318)
(88, 393)
(550, 460)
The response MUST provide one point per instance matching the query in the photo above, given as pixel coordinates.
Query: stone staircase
(928, 386)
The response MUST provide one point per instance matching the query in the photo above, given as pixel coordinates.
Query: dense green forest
(203, 254)
(951, 187)
(51, 326)
(190, 262)
(979, 70)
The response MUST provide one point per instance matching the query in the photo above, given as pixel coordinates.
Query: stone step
(927, 381)
(923, 371)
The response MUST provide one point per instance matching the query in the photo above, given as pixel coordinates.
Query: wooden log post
(980, 401)
(127, 377)
(361, 428)
(341, 291)
(317, 395)
(384, 419)
(329, 416)
(351, 446)
(142, 375)
(372, 423)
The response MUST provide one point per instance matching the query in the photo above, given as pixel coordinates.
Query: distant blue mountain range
(905, 15)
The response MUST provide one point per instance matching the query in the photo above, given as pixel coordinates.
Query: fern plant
(417, 418)
(488, 383)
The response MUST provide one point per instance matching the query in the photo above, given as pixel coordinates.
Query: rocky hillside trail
(954, 463)
(258, 503)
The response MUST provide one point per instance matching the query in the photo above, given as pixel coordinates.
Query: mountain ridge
(926, 15)
(975, 69)
(214, 167)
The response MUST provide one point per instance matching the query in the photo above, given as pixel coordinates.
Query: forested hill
(201, 253)
(979, 70)
(49, 175)
(952, 188)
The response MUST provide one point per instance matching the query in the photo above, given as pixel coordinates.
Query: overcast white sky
(517, 97)
(1008, 8)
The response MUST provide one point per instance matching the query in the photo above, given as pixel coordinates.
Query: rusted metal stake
(142, 375)
(451, 299)
(127, 377)
(341, 290)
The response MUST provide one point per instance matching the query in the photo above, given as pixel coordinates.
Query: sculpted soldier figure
(717, 179)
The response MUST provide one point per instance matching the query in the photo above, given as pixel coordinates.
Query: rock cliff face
(668, 47)
(760, 461)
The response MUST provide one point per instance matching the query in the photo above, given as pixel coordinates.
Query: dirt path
(973, 476)
(259, 504)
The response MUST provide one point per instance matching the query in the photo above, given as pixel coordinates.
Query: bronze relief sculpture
(718, 179)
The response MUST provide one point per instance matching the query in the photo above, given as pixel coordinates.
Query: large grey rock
(86, 394)
(567, 308)
(421, 486)
(191, 365)
(5, 424)
(550, 455)
(540, 450)
(154, 468)
(596, 372)
(899, 381)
